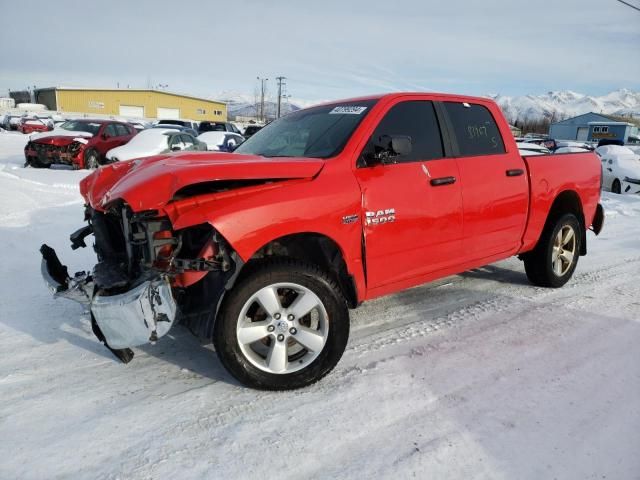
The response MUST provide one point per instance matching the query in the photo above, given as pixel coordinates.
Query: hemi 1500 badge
(381, 216)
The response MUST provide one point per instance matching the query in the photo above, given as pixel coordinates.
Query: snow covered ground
(479, 375)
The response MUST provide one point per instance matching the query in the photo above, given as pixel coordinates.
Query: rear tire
(616, 187)
(553, 261)
(295, 339)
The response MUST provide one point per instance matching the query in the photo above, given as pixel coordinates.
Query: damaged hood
(150, 183)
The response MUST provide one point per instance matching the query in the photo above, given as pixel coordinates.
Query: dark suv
(218, 127)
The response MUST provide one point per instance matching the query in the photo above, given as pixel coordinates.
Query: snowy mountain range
(566, 104)
(555, 105)
(244, 105)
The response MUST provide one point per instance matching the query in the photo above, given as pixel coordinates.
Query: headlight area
(199, 263)
(133, 247)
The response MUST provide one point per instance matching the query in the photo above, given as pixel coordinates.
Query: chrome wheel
(282, 328)
(564, 250)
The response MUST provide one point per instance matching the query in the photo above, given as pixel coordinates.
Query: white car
(620, 169)
(221, 141)
(529, 149)
(155, 141)
(571, 150)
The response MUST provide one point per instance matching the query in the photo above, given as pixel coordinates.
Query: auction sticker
(349, 110)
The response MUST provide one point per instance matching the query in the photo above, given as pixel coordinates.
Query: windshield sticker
(348, 109)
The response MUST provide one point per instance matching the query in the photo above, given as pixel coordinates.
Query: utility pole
(281, 83)
(263, 81)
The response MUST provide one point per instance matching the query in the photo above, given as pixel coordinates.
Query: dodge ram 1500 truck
(264, 250)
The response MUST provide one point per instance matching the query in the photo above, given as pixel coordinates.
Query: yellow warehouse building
(131, 103)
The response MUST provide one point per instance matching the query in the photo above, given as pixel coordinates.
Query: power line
(629, 5)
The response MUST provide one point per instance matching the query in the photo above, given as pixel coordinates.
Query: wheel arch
(568, 201)
(316, 248)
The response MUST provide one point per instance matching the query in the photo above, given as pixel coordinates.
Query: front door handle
(609, 169)
(516, 172)
(437, 182)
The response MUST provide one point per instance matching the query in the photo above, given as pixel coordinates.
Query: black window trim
(449, 143)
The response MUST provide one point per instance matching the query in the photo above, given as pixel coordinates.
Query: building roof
(603, 118)
(610, 123)
(149, 90)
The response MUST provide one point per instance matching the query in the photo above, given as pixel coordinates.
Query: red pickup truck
(264, 250)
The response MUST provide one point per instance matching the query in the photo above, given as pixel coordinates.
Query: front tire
(553, 261)
(91, 159)
(284, 326)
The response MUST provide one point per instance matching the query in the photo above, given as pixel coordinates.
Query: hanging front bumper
(136, 317)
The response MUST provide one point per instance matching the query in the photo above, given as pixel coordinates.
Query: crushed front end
(131, 292)
(44, 153)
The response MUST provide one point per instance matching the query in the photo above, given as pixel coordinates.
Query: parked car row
(620, 163)
(27, 123)
(90, 143)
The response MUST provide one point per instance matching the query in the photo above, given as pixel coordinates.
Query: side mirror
(105, 136)
(386, 149)
(176, 148)
(401, 145)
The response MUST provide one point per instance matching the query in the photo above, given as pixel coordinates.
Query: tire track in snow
(509, 298)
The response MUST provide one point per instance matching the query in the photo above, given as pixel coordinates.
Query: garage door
(169, 113)
(583, 133)
(131, 111)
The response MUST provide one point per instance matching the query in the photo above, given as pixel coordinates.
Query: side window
(110, 130)
(475, 129)
(187, 140)
(175, 142)
(122, 130)
(416, 119)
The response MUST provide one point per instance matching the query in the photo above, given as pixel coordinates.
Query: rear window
(475, 129)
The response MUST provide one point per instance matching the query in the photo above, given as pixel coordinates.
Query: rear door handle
(437, 182)
(516, 172)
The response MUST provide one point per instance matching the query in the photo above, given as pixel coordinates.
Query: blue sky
(328, 49)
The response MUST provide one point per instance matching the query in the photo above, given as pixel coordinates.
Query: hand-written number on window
(477, 132)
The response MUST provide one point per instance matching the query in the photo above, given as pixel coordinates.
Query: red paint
(483, 217)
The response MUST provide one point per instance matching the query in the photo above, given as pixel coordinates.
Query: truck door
(412, 208)
(495, 189)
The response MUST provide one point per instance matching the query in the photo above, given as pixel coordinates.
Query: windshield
(317, 132)
(76, 126)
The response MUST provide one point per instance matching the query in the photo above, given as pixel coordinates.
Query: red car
(264, 250)
(34, 124)
(79, 143)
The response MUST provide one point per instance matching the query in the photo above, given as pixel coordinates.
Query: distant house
(592, 127)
